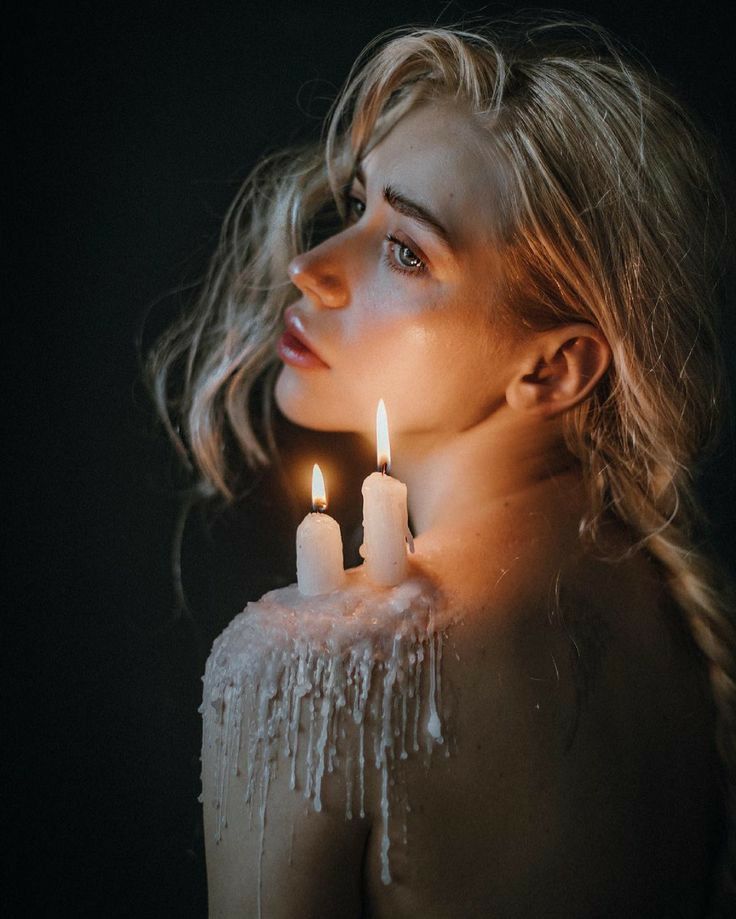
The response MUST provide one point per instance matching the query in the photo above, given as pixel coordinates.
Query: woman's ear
(558, 369)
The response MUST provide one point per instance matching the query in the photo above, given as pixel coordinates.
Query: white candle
(319, 561)
(385, 516)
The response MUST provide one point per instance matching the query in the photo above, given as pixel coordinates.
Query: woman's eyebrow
(404, 205)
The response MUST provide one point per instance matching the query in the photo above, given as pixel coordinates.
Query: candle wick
(384, 468)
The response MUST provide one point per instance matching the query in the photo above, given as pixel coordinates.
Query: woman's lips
(293, 348)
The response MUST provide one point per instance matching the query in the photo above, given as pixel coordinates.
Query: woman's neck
(463, 475)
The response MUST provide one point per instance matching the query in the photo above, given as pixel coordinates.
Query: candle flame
(319, 492)
(384, 447)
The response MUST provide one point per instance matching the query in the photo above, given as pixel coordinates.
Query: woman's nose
(319, 277)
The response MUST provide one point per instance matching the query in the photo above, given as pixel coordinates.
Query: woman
(515, 237)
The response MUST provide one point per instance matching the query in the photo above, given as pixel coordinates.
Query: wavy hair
(614, 210)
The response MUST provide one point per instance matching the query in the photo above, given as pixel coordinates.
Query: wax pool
(373, 655)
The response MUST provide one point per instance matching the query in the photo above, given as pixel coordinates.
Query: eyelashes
(398, 256)
(396, 263)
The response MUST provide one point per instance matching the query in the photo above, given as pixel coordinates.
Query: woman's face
(397, 308)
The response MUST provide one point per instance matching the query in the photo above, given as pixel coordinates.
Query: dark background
(130, 130)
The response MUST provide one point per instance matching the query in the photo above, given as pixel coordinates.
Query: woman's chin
(301, 407)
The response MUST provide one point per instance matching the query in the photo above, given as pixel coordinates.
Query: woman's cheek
(413, 374)
(398, 345)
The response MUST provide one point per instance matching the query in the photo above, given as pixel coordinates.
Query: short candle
(319, 559)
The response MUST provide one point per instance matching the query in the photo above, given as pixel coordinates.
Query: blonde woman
(516, 236)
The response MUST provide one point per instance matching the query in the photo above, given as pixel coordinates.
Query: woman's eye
(399, 257)
(403, 258)
(354, 206)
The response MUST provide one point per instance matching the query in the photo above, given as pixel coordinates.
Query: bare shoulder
(276, 846)
(306, 702)
(576, 749)
(583, 749)
(538, 600)
(283, 859)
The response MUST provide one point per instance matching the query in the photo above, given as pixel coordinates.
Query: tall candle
(319, 561)
(385, 515)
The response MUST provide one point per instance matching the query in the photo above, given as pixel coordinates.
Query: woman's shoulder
(586, 656)
(582, 733)
(600, 615)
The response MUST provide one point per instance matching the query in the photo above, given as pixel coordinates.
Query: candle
(319, 562)
(385, 515)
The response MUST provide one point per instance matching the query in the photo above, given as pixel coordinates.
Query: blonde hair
(613, 211)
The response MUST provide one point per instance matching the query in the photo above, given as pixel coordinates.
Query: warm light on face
(319, 492)
(384, 447)
(422, 337)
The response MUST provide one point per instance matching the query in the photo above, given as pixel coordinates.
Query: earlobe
(561, 369)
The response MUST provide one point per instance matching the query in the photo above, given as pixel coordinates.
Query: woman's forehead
(429, 125)
(433, 153)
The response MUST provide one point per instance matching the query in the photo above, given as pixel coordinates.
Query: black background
(131, 127)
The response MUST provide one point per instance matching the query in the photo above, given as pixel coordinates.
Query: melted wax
(286, 652)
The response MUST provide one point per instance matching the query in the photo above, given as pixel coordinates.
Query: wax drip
(327, 654)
